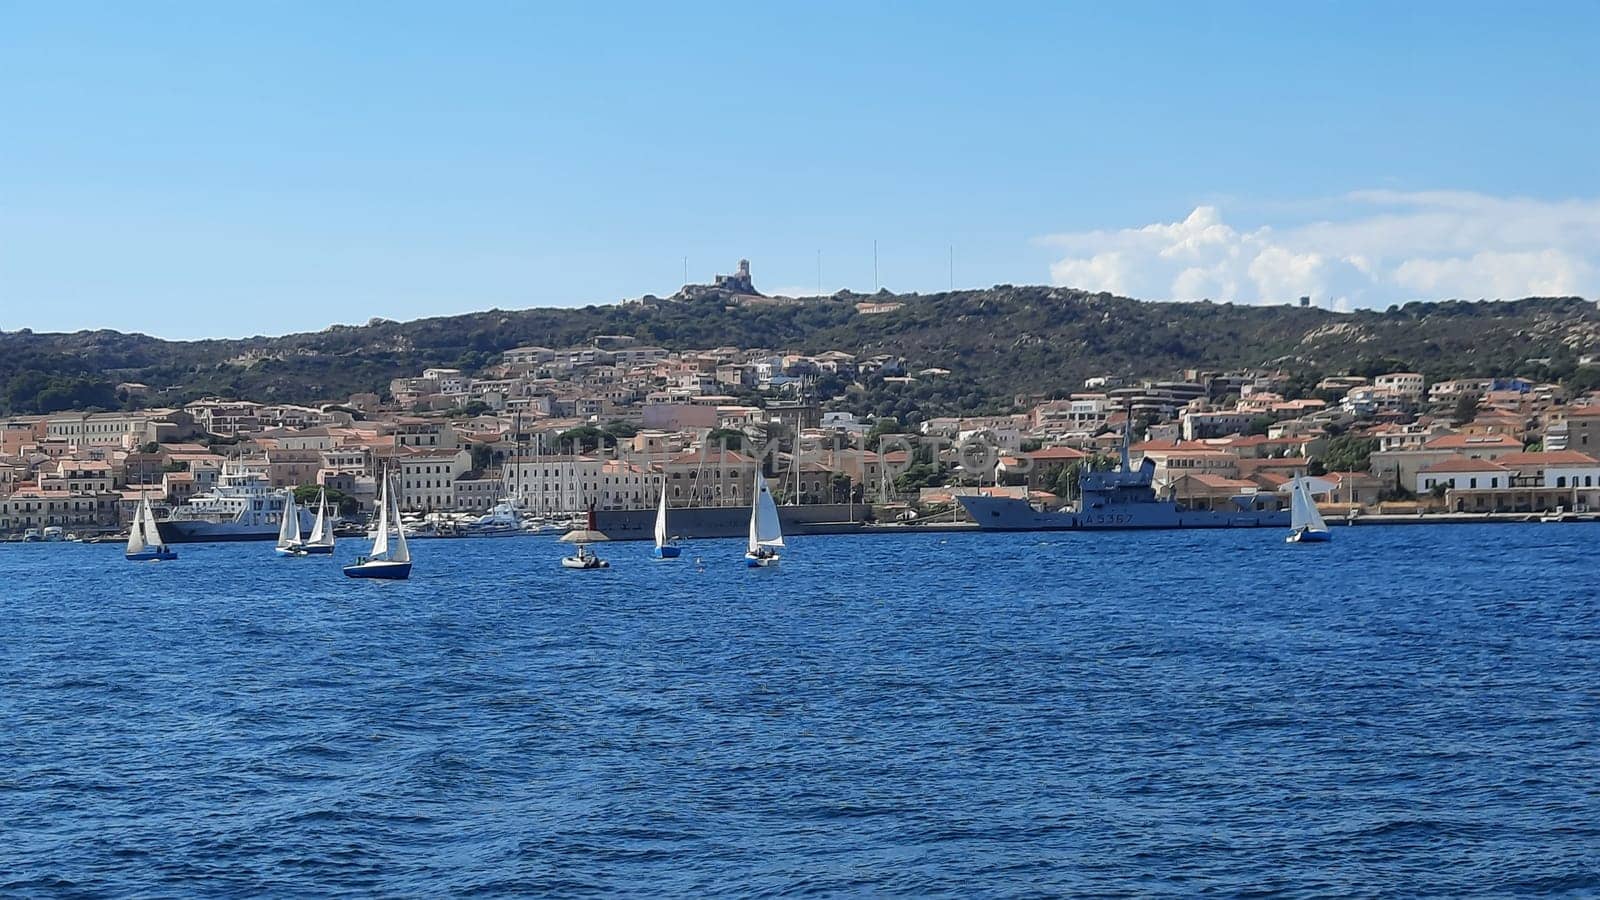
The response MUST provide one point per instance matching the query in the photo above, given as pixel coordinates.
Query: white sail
(1303, 512)
(661, 520)
(136, 540)
(402, 553)
(754, 543)
(380, 543)
(152, 534)
(764, 528)
(289, 526)
(319, 532)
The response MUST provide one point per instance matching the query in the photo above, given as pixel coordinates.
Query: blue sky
(221, 169)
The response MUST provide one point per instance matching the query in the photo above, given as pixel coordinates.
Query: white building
(1215, 423)
(426, 478)
(1400, 384)
(527, 356)
(126, 430)
(570, 484)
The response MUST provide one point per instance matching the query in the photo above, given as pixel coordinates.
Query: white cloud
(1394, 247)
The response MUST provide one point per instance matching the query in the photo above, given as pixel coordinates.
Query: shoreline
(857, 527)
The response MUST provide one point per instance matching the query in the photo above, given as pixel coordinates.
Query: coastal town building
(610, 421)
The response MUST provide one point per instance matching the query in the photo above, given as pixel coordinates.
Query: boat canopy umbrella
(583, 536)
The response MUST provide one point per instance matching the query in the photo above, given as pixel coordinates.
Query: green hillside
(997, 343)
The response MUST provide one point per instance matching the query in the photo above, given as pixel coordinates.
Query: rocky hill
(997, 343)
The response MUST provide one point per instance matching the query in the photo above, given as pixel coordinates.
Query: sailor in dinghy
(766, 533)
(1306, 525)
(665, 548)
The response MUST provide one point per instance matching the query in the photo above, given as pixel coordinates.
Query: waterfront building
(425, 479)
(1517, 482)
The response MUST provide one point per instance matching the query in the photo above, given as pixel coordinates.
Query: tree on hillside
(37, 392)
(880, 428)
(339, 501)
(919, 475)
(1349, 453)
(617, 428)
(1261, 424)
(584, 439)
(1466, 409)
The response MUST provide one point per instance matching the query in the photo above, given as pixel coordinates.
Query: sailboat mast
(794, 460)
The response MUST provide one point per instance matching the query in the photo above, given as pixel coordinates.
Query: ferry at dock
(242, 507)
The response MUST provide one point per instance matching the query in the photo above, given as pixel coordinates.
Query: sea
(1407, 710)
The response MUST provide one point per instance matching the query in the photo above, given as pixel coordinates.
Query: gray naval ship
(1123, 499)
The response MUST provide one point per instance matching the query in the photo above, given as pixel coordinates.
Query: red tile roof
(1167, 446)
(1275, 462)
(1474, 442)
(1052, 453)
(1460, 464)
(1220, 482)
(1548, 458)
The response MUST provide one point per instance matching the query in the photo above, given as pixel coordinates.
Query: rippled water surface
(1406, 709)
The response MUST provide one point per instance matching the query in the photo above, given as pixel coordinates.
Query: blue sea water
(1405, 710)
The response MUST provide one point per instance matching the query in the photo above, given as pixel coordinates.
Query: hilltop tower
(739, 282)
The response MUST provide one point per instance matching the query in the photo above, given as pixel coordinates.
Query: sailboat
(381, 563)
(321, 538)
(766, 535)
(665, 549)
(1305, 523)
(289, 542)
(144, 538)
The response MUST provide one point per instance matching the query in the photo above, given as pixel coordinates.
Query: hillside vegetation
(998, 343)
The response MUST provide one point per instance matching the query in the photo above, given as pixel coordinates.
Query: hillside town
(614, 422)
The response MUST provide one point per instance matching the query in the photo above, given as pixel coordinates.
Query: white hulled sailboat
(766, 534)
(144, 538)
(1305, 522)
(381, 562)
